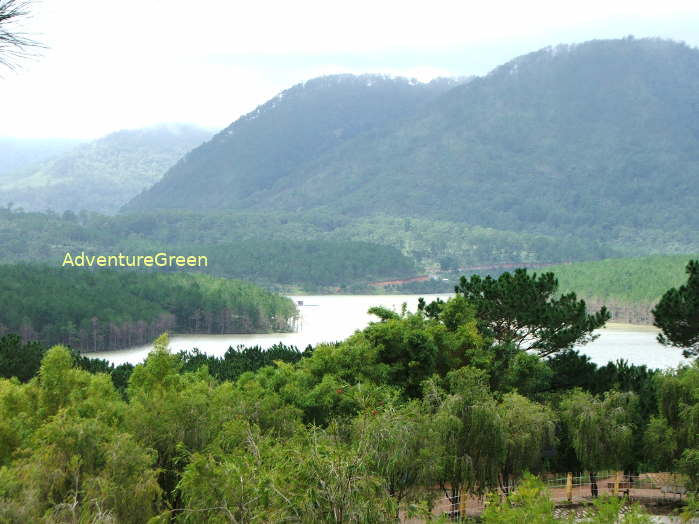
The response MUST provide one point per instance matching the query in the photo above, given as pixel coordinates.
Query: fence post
(569, 487)
(616, 484)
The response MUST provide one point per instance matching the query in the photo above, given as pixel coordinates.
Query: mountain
(599, 135)
(277, 140)
(103, 174)
(598, 139)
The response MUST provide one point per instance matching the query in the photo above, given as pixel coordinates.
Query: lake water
(329, 318)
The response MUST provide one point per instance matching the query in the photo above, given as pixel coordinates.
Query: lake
(329, 318)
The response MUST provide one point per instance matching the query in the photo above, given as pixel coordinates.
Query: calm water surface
(328, 318)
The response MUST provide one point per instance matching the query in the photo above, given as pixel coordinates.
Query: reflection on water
(328, 318)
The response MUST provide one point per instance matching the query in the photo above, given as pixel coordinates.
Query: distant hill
(599, 139)
(638, 279)
(21, 153)
(244, 162)
(629, 287)
(103, 174)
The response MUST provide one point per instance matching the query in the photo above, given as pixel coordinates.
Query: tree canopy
(522, 309)
(677, 314)
(109, 309)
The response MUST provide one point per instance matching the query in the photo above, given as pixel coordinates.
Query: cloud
(132, 27)
(128, 63)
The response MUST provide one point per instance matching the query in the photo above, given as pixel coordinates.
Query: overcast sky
(116, 64)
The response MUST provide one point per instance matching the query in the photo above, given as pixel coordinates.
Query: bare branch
(15, 44)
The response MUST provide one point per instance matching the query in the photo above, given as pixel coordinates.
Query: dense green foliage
(671, 437)
(312, 263)
(677, 313)
(336, 251)
(452, 245)
(23, 360)
(446, 401)
(237, 247)
(104, 309)
(624, 280)
(628, 287)
(239, 360)
(351, 432)
(601, 430)
(103, 174)
(522, 310)
(18, 359)
(594, 139)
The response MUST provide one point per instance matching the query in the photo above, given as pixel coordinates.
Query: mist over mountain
(20, 153)
(598, 139)
(103, 174)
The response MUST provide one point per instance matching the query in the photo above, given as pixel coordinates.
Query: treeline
(103, 309)
(312, 263)
(319, 252)
(629, 287)
(240, 359)
(22, 360)
(421, 239)
(450, 245)
(238, 247)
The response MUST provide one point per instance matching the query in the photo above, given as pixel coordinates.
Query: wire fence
(649, 488)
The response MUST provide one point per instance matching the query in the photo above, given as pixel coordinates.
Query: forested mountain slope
(239, 166)
(592, 138)
(598, 139)
(103, 174)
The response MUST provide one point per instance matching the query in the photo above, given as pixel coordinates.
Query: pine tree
(677, 314)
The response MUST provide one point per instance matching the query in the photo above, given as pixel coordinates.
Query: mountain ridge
(345, 106)
(599, 139)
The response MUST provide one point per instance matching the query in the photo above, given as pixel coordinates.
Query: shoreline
(625, 326)
(611, 326)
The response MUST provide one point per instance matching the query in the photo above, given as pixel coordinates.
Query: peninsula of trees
(103, 309)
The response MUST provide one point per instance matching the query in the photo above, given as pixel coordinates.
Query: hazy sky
(115, 64)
